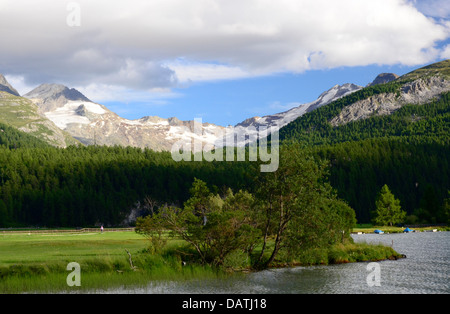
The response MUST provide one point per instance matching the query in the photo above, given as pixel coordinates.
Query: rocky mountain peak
(55, 91)
(175, 121)
(333, 94)
(6, 87)
(248, 122)
(384, 78)
(152, 119)
(51, 96)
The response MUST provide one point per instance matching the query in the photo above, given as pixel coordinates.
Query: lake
(425, 270)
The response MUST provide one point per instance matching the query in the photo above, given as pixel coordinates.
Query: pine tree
(388, 209)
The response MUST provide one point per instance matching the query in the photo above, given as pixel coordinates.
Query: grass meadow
(37, 262)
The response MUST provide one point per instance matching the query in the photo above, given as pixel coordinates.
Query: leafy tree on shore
(298, 207)
(294, 209)
(214, 229)
(388, 209)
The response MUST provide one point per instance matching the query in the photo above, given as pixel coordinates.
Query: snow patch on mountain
(206, 134)
(74, 112)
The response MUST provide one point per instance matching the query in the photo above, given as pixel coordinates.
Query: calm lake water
(425, 270)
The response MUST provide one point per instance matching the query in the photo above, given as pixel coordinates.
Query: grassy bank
(341, 254)
(37, 262)
(97, 275)
(348, 253)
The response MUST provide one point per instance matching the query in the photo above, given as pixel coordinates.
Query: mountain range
(63, 116)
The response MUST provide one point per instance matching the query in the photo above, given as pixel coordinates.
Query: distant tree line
(81, 186)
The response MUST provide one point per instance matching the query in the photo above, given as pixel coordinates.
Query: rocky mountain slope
(420, 87)
(412, 90)
(92, 123)
(24, 115)
(336, 92)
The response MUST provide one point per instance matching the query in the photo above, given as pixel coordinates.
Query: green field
(77, 247)
(37, 262)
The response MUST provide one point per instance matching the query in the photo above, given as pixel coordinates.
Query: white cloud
(105, 93)
(139, 44)
(187, 72)
(445, 54)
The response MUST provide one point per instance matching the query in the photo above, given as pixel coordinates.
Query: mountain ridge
(283, 118)
(92, 123)
(419, 87)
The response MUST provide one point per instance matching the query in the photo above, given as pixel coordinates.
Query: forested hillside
(408, 150)
(314, 127)
(418, 174)
(82, 186)
(12, 138)
(411, 123)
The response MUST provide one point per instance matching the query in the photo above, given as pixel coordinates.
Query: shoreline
(45, 272)
(388, 229)
(101, 274)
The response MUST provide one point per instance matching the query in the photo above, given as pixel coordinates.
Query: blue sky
(219, 60)
(232, 101)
